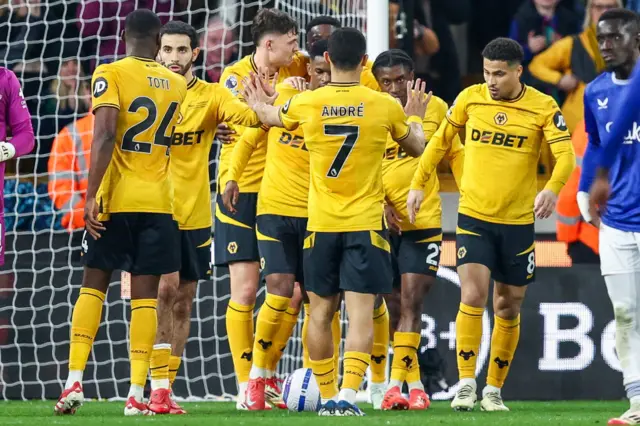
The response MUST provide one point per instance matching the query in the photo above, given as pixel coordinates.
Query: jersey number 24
(129, 142)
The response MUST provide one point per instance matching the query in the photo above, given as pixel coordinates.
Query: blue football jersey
(602, 101)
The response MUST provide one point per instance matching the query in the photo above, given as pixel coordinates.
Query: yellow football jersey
(367, 78)
(232, 79)
(398, 169)
(345, 129)
(206, 105)
(285, 185)
(502, 147)
(148, 97)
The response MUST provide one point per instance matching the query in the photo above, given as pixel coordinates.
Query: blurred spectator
(69, 171)
(537, 25)
(220, 47)
(633, 5)
(572, 62)
(103, 21)
(581, 237)
(444, 66)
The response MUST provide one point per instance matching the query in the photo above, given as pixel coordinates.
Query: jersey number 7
(129, 142)
(351, 134)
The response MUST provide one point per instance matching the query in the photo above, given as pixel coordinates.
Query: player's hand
(91, 223)
(599, 194)
(545, 204)
(414, 201)
(256, 91)
(536, 43)
(568, 83)
(224, 133)
(393, 219)
(298, 83)
(416, 100)
(230, 196)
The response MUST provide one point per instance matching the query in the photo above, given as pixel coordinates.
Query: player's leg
(236, 247)
(515, 269)
(476, 248)
(289, 321)
(365, 273)
(100, 258)
(279, 249)
(322, 256)
(161, 353)
(85, 321)
(418, 257)
(379, 352)
(620, 265)
(152, 234)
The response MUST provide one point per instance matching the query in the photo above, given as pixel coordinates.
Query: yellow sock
(405, 348)
(336, 334)
(380, 343)
(325, 377)
(413, 374)
(240, 332)
(468, 337)
(355, 367)
(142, 334)
(159, 366)
(287, 324)
(504, 341)
(174, 366)
(267, 324)
(305, 329)
(84, 325)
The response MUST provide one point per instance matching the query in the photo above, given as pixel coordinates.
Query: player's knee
(280, 284)
(167, 292)
(184, 301)
(624, 314)
(244, 291)
(473, 293)
(507, 306)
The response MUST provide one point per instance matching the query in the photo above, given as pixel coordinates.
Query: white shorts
(619, 251)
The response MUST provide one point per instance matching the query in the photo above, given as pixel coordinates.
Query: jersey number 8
(129, 142)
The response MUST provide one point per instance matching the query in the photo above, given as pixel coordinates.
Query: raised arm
(417, 102)
(256, 96)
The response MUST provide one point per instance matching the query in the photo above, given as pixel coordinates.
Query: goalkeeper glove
(7, 151)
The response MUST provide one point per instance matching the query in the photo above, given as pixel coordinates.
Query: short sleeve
(104, 88)
(398, 125)
(555, 127)
(18, 111)
(457, 113)
(291, 113)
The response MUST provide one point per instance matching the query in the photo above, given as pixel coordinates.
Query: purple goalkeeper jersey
(15, 116)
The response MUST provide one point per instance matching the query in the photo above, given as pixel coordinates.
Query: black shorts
(507, 250)
(235, 234)
(196, 254)
(347, 261)
(280, 240)
(139, 243)
(416, 252)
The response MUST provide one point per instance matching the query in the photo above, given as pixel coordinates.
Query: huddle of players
(327, 142)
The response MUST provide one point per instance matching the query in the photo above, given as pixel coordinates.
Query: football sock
(355, 367)
(468, 338)
(159, 366)
(305, 330)
(504, 341)
(287, 324)
(174, 366)
(142, 334)
(325, 378)
(380, 350)
(239, 321)
(84, 326)
(405, 348)
(267, 324)
(336, 335)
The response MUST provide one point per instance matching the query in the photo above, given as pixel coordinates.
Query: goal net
(53, 48)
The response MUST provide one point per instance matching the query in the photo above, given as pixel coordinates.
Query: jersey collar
(344, 84)
(192, 83)
(619, 81)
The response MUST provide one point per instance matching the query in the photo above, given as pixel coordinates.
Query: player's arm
(436, 113)
(260, 98)
(456, 159)
(19, 120)
(559, 140)
(106, 108)
(240, 156)
(232, 110)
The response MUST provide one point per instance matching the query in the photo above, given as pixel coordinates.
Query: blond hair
(587, 16)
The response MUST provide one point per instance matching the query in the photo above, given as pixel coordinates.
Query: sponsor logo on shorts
(262, 263)
(232, 247)
(462, 252)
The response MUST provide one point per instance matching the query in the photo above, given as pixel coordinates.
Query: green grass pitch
(217, 413)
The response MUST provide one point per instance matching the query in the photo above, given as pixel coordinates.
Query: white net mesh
(53, 47)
